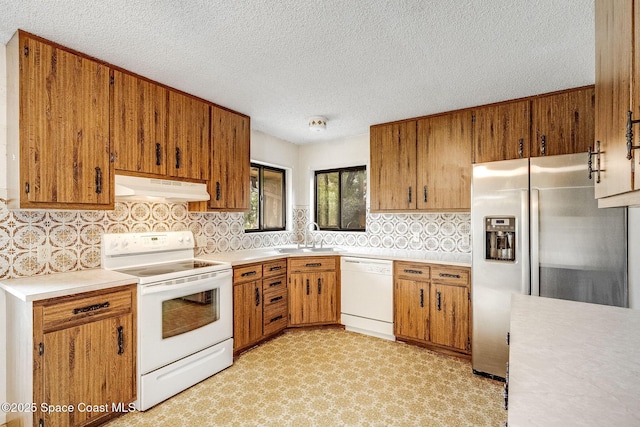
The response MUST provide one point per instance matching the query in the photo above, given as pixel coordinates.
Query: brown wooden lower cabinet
(72, 357)
(259, 302)
(432, 305)
(313, 290)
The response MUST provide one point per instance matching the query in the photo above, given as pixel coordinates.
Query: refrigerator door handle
(524, 242)
(535, 242)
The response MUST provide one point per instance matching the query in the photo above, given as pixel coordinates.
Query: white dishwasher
(367, 296)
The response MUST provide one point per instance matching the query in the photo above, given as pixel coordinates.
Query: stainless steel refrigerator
(537, 229)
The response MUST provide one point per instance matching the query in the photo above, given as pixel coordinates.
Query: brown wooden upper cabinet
(501, 131)
(393, 155)
(138, 124)
(58, 127)
(444, 162)
(563, 123)
(422, 165)
(188, 145)
(617, 27)
(230, 161)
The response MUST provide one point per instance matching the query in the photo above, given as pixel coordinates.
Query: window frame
(261, 168)
(362, 168)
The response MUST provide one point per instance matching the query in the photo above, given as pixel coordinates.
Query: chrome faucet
(309, 228)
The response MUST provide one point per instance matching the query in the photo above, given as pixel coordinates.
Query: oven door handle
(199, 285)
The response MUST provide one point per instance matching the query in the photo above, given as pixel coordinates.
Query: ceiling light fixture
(317, 124)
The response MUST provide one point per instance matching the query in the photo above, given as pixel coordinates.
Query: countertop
(41, 287)
(573, 363)
(259, 255)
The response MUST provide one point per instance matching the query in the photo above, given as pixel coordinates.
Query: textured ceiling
(356, 62)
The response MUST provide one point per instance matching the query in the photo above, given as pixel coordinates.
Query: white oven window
(187, 313)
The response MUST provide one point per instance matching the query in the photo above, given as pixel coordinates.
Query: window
(341, 198)
(267, 203)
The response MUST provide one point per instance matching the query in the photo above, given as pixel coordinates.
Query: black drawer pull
(413, 271)
(120, 340)
(276, 318)
(313, 264)
(454, 276)
(276, 268)
(279, 282)
(89, 308)
(276, 299)
(249, 273)
(307, 286)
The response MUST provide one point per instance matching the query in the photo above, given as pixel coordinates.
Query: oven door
(183, 316)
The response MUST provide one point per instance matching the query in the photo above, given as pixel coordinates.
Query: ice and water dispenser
(500, 235)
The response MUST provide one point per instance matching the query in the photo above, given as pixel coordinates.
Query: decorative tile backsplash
(72, 238)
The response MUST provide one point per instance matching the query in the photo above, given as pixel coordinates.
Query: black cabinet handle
(412, 271)
(455, 276)
(629, 134)
(120, 340)
(249, 273)
(257, 297)
(319, 286)
(276, 318)
(272, 284)
(276, 299)
(275, 268)
(520, 147)
(543, 145)
(89, 308)
(307, 286)
(425, 193)
(98, 180)
(218, 190)
(421, 298)
(439, 300)
(158, 154)
(178, 157)
(313, 264)
(409, 194)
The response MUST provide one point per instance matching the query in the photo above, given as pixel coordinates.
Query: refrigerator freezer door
(498, 189)
(582, 250)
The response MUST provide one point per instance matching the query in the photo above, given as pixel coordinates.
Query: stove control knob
(180, 239)
(125, 244)
(188, 239)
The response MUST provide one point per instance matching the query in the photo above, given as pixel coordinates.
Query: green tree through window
(341, 198)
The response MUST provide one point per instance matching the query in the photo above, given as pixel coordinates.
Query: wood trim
(525, 98)
(123, 70)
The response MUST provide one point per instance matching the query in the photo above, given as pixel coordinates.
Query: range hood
(137, 188)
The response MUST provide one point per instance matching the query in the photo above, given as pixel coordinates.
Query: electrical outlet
(44, 254)
(201, 241)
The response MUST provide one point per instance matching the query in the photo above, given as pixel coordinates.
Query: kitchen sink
(305, 250)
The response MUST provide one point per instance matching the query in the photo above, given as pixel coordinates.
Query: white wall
(3, 195)
(344, 152)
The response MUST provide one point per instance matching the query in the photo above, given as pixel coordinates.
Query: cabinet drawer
(67, 312)
(247, 273)
(274, 268)
(412, 271)
(450, 275)
(273, 286)
(275, 317)
(312, 264)
(274, 296)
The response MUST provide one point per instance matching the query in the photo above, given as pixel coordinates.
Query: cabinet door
(247, 313)
(230, 162)
(563, 123)
(449, 321)
(501, 132)
(64, 129)
(444, 162)
(411, 312)
(188, 145)
(393, 166)
(138, 124)
(613, 75)
(325, 284)
(302, 309)
(90, 364)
